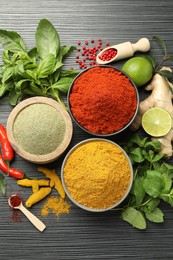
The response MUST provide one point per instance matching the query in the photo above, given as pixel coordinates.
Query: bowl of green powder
(39, 129)
(97, 174)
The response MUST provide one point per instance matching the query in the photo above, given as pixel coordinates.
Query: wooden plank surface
(83, 235)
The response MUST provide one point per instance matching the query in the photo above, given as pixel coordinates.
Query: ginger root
(161, 96)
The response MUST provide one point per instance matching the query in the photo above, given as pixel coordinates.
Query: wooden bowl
(40, 158)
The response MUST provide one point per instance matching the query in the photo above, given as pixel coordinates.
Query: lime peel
(156, 122)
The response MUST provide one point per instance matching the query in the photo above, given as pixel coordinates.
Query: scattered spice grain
(55, 205)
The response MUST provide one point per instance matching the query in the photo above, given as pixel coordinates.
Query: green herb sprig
(37, 72)
(3, 185)
(153, 183)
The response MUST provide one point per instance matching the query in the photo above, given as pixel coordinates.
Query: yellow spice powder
(55, 205)
(97, 174)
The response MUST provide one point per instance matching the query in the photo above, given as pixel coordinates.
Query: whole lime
(139, 69)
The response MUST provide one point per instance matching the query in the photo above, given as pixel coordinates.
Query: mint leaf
(153, 183)
(139, 191)
(47, 39)
(155, 216)
(136, 155)
(168, 197)
(152, 204)
(12, 41)
(134, 217)
(154, 144)
(3, 185)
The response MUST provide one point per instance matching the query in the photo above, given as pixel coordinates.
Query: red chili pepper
(10, 171)
(7, 149)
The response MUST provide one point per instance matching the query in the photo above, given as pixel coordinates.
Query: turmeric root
(54, 180)
(35, 184)
(161, 96)
(37, 196)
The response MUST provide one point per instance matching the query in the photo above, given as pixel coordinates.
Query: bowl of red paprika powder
(103, 100)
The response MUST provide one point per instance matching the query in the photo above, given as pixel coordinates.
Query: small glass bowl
(98, 134)
(66, 188)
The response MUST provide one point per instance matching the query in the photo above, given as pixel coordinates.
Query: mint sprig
(153, 183)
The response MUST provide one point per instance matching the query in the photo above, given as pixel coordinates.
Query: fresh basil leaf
(13, 97)
(32, 74)
(6, 57)
(153, 183)
(58, 65)
(134, 217)
(69, 73)
(47, 39)
(155, 216)
(46, 66)
(3, 185)
(2, 90)
(35, 90)
(63, 84)
(33, 53)
(67, 50)
(7, 74)
(21, 83)
(12, 41)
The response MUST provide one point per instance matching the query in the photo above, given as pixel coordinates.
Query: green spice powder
(39, 129)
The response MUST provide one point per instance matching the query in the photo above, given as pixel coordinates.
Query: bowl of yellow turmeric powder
(97, 174)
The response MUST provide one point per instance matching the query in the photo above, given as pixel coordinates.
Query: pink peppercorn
(108, 55)
(87, 55)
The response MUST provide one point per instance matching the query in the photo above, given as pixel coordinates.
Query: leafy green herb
(166, 57)
(153, 183)
(37, 71)
(3, 185)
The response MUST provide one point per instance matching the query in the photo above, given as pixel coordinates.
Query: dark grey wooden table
(83, 235)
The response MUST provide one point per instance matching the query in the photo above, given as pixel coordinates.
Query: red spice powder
(15, 200)
(103, 100)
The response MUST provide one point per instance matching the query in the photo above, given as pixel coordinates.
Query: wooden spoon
(34, 220)
(125, 50)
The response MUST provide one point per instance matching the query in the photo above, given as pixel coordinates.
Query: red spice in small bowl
(103, 100)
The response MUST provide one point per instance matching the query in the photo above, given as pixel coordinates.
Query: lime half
(156, 121)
